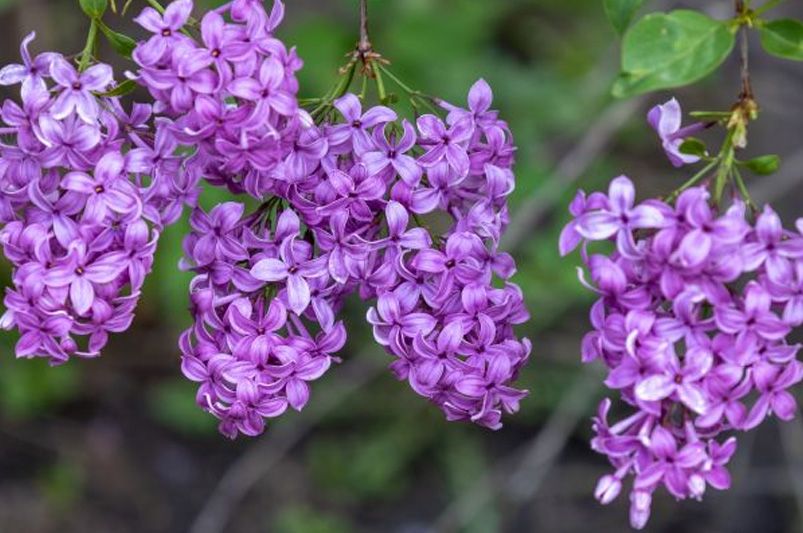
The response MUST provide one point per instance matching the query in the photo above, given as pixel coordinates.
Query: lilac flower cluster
(88, 186)
(82, 205)
(344, 199)
(232, 93)
(249, 347)
(692, 321)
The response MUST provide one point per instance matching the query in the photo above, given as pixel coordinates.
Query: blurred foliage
(172, 402)
(301, 519)
(31, 388)
(61, 483)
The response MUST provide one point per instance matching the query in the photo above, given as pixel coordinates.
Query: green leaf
(765, 164)
(122, 44)
(94, 9)
(620, 13)
(783, 38)
(122, 89)
(665, 50)
(693, 146)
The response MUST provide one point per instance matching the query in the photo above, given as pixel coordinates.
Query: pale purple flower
(772, 248)
(357, 126)
(681, 379)
(355, 189)
(267, 91)
(294, 268)
(77, 88)
(672, 464)
(32, 72)
(772, 382)
(666, 119)
(445, 143)
(82, 275)
(165, 29)
(390, 320)
(755, 316)
(620, 217)
(106, 190)
(392, 154)
(67, 141)
(217, 240)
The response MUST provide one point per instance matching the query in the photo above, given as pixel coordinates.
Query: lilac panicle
(80, 220)
(89, 184)
(692, 320)
(339, 215)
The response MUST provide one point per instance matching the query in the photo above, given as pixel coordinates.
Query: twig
(365, 43)
(747, 89)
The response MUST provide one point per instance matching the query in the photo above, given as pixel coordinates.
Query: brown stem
(747, 89)
(365, 51)
(365, 44)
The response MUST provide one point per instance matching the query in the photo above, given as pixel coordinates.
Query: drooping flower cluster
(81, 203)
(692, 321)
(88, 187)
(256, 287)
(346, 196)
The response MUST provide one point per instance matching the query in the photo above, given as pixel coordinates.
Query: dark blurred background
(117, 444)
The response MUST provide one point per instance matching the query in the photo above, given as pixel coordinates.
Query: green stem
(338, 90)
(380, 86)
(403, 86)
(743, 189)
(156, 5)
(414, 95)
(364, 88)
(695, 179)
(724, 170)
(91, 38)
(711, 114)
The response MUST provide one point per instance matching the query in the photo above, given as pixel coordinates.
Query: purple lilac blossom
(88, 185)
(692, 320)
(344, 221)
(231, 94)
(80, 219)
(666, 119)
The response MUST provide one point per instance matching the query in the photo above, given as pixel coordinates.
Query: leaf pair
(667, 50)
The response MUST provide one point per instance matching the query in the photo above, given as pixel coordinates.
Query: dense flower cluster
(232, 94)
(87, 188)
(345, 196)
(82, 205)
(693, 314)
(249, 346)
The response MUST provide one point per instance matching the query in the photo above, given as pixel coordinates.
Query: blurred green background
(117, 444)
